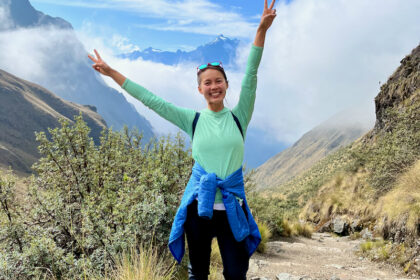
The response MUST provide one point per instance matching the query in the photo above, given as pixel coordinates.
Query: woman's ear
(200, 90)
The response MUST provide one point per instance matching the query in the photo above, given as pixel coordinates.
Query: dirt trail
(322, 257)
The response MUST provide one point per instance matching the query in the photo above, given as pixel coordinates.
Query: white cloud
(176, 84)
(191, 16)
(320, 57)
(123, 44)
(40, 54)
(323, 56)
(5, 19)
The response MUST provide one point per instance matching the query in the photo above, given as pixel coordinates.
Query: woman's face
(213, 86)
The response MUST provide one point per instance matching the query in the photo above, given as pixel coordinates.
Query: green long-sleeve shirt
(217, 145)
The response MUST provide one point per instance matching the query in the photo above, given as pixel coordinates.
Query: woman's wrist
(117, 76)
(261, 28)
(260, 37)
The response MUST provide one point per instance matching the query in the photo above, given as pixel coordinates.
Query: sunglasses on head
(204, 66)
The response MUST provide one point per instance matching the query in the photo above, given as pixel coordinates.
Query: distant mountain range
(326, 138)
(27, 107)
(82, 85)
(221, 49)
(67, 69)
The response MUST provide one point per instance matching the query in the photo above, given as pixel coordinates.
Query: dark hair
(218, 68)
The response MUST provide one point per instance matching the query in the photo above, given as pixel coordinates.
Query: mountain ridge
(24, 15)
(26, 107)
(66, 70)
(326, 138)
(220, 49)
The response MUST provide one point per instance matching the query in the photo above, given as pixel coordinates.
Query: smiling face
(213, 86)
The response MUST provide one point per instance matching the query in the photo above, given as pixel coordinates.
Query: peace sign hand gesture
(268, 15)
(104, 69)
(100, 65)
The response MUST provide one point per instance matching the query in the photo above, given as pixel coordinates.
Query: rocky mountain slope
(25, 15)
(340, 130)
(58, 61)
(374, 183)
(27, 107)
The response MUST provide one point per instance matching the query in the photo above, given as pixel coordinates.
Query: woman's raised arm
(246, 102)
(104, 69)
(181, 117)
(266, 20)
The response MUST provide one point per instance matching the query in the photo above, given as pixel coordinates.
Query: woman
(214, 203)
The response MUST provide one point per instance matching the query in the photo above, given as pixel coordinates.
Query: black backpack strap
(238, 124)
(194, 124)
(235, 118)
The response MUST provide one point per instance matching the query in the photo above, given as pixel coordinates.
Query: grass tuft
(144, 263)
(304, 230)
(265, 232)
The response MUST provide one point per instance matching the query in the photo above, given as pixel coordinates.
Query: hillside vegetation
(91, 205)
(325, 139)
(374, 183)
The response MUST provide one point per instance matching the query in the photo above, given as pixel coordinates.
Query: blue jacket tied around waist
(202, 186)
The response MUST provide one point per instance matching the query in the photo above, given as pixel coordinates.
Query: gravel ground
(321, 257)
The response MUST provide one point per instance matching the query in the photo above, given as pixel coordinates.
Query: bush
(89, 203)
(268, 208)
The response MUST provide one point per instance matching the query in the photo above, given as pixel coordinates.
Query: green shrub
(89, 203)
(366, 246)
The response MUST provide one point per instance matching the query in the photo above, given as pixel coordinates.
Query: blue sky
(321, 57)
(167, 25)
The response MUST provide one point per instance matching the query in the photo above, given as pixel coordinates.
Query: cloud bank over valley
(320, 58)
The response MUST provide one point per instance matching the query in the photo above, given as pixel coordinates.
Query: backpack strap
(194, 124)
(238, 124)
(235, 118)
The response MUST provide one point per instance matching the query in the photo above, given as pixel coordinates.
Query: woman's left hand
(268, 15)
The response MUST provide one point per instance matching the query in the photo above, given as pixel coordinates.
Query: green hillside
(326, 138)
(374, 183)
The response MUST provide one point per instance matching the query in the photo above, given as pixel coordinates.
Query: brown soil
(321, 257)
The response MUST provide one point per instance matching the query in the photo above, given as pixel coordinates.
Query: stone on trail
(340, 226)
(259, 278)
(287, 276)
(366, 234)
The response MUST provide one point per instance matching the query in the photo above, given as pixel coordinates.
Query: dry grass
(296, 229)
(304, 230)
(378, 249)
(216, 265)
(402, 204)
(143, 264)
(287, 229)
(344, 194)
(265, 232)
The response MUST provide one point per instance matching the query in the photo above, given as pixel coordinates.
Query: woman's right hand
(100, 65)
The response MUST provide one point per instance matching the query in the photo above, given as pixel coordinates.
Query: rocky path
(322, 257)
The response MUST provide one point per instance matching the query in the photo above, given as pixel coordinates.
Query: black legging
(200, 232)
